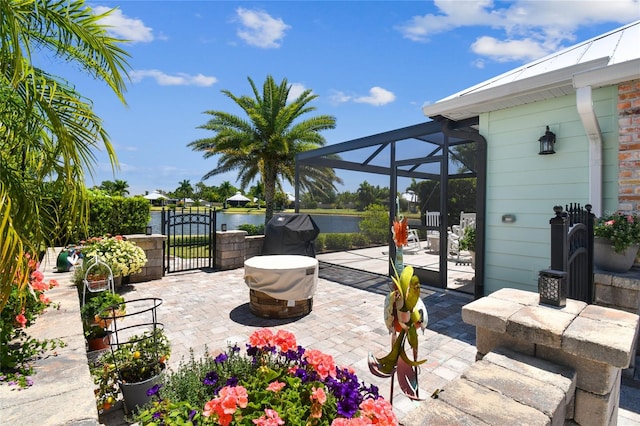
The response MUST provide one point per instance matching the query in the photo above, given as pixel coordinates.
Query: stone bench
(504, 388)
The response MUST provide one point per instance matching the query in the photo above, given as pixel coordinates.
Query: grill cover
(290, 234)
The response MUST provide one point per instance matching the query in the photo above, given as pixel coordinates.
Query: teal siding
(528, 185)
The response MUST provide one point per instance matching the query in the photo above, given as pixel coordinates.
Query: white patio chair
(413, 242)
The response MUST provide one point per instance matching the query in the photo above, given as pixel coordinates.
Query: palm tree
(120, 187)
(266, 143)
(49, 132)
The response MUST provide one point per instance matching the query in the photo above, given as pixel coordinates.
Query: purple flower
(221, 358)
(211, 378)
(153, 391)
(232, 381)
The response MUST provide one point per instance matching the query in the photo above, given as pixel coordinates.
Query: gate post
(559, 249)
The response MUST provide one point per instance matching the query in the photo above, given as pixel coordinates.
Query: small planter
(99, 343)
(135, 394)
(606, 258)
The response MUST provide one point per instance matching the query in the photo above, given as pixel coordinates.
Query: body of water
(326, 223)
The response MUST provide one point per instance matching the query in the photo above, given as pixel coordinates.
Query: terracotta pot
(99, 343)
(606, 258)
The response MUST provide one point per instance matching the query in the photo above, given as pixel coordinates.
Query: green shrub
(252, 229)
(375, 223)
(338, 241)
(118, 215)
(320, 243)
(360, 240)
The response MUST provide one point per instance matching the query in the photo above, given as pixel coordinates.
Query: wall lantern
(148, 230)
(223, 227)
(552, 287)
(546, 142)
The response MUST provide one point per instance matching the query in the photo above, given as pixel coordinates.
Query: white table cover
(283, 277)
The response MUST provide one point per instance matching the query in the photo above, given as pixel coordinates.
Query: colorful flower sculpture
(404, 314)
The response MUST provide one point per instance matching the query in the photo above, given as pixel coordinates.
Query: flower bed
(277, 382)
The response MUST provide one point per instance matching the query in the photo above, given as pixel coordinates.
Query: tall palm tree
(48, 131)
(264, 144)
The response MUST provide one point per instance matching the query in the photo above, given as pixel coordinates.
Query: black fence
(190, 242)
(572, 248)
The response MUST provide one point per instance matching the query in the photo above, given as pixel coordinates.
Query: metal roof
(610, 58)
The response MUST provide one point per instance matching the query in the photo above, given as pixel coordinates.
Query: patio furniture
(281, 286)
(413, 242)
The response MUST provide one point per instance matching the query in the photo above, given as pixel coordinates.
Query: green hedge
(341, 241)
(118, 215)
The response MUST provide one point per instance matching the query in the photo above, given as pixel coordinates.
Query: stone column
(230, 249)
(152, 246)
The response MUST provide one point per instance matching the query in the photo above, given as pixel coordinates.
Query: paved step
(505, 387)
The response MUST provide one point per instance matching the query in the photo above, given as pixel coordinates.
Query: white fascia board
(607, 76)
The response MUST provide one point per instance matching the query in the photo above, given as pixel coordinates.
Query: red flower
(400, 232)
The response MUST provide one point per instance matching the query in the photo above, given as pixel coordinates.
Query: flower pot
(99, 343)
(606, 258)
(135, 394)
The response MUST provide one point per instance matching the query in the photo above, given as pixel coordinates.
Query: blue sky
(372, 64)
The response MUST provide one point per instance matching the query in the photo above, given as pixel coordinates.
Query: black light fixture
(223, 227)
(148, 230)
(552, 287)
(546, 143)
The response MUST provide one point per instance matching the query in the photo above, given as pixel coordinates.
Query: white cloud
(338, 97)
(295, 90)
(377, 97)
(179, 79)
(508, 50)
(121, 26)
(531, 29)
(260, 29)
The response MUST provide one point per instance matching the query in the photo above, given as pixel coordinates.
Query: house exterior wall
(528, 185)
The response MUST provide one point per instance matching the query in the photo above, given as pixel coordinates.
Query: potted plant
(96, 313)
(616, 242)
(134, 367)
(468, 242)
(124, 257)
(275, 382)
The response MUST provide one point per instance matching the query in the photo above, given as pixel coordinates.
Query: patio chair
(413, 242)
(432, 222)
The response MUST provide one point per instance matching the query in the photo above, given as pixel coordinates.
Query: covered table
(281, 286)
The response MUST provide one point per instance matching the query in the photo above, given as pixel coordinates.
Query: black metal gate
(191, 239)
(572, 249)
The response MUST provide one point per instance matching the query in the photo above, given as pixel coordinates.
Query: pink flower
(227, 402)
(37, 276)
(610, 222)
(286, 340)
(262, 338)
(318, 395)
(21, 319)
(275, 386)
(378, 411)
(270, 418)
(323, 364)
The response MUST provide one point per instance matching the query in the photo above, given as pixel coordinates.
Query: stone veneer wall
(152, 246)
